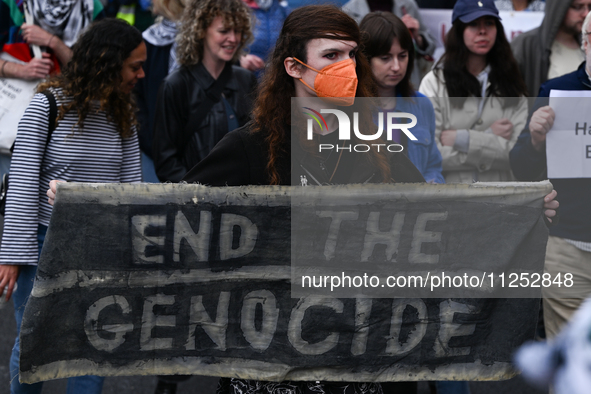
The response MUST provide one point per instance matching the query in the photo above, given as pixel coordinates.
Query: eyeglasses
(580, 7)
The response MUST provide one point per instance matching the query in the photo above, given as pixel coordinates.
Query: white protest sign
(438, 23)
(15, 96)
(568, 143)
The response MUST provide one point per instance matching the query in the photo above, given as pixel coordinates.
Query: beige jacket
(487, 158)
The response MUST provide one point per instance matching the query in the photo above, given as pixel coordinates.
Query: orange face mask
(337, 82)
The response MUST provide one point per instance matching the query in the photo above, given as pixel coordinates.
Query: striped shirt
(97, 153)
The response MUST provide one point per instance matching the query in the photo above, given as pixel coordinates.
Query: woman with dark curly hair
(207, 96)
(93, 140)
(478, 95)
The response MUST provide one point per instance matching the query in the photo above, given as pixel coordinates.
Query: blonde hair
(196, 19)
(171, 9)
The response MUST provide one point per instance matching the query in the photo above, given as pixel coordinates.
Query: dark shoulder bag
(52, 118)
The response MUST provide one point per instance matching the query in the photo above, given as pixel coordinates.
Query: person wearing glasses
(554, 48)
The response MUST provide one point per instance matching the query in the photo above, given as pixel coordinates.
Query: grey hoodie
(532, 49)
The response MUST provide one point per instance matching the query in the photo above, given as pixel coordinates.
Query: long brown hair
(505, 79)
(379, 30)
(272, 108)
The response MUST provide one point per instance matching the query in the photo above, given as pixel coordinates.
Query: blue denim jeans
(148, 171)
(78, 385)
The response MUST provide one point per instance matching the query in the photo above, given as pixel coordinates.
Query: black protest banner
(184, 279)
(455, 241)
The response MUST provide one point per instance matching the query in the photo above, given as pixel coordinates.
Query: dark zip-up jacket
(530, 165)
(181, 140)
(241, 158)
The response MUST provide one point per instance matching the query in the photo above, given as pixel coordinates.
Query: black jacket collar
(205, 80)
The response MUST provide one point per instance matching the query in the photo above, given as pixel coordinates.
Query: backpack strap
(52, 113)
(52, 117)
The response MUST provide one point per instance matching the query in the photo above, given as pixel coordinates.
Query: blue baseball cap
(469, 10)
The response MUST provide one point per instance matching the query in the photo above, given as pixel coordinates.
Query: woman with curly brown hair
(91, 138)
(207, 96)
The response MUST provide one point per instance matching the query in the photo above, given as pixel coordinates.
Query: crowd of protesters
(212, 82)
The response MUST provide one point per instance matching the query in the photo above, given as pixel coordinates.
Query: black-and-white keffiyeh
(161, 34)
(240, 386)
(64, 18)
